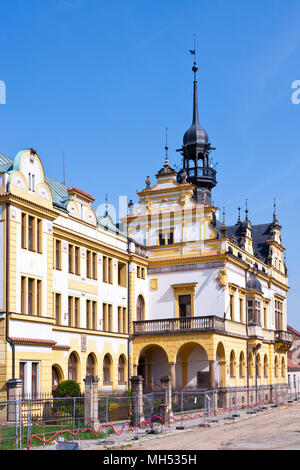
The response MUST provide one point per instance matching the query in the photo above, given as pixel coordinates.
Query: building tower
(195, 151)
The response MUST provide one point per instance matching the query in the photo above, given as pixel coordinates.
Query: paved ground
(272, 429)
(269, 429)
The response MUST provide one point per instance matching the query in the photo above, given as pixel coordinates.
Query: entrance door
(184, 306)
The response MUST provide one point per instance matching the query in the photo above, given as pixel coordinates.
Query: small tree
(68, 388)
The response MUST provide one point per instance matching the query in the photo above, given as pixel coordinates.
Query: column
(14, 392)
(91, 402)
(137, 404)
(212, 375)
(166, 384)
(172, 366)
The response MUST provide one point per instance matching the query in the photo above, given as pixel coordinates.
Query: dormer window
(166, 238)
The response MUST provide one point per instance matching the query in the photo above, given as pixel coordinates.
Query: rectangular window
(170, 236)
(124, 320)
(166, 238)
(22, 376)
(88, 264)
(34, 380)
(23, 231)
(88, 314)
(23, 294)
(278, 315)
(39, 235)
(241, 310)
(110, 273)
(30, 297)
(104, 317)
(104, 269)
(77, 261)
(110, 319)
(77, 312)
(94, 315)
(162, 240)
(122, 274)
(30, 233)
(70, 253)
(231, 307)
(57, 254)
(70, 311)
(120, 323)
(38, 297)
(94, 266)
(58, 309)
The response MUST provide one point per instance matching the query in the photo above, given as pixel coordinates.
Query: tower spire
(166, 146)
(246, 210)
(275, 220)
(195, 95)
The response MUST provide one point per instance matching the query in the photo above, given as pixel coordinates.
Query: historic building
(171, 291)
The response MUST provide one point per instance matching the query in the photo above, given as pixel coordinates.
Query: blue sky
(100, 81)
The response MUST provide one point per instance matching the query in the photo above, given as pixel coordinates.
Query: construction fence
(36, 422)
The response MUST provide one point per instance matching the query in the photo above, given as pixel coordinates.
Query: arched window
(232, 364)
(266, 366)
(121, 369)
(276, 366)
(140, 308)
(106, 369)
(72, 367)
(283, 367)
(258, 365)
(250, 365)
(56, 378)
(242, 365)
(90, 365)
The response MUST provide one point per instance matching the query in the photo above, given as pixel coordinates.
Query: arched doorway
(192, 367)
(153, 364)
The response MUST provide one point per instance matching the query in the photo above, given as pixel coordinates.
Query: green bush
(68, 388)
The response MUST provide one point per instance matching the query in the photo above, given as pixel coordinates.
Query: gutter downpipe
(8, 339)
(246, 316)
(128, 315)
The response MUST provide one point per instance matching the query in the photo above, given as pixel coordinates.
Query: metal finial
(193, 52)
(166, 146)
(275, 220)
(224, 233)
(239, 217)
(246, 210)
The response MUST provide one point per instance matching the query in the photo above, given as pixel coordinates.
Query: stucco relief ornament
(222, 278)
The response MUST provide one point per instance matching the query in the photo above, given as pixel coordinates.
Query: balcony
(178, 325)
(283, 337)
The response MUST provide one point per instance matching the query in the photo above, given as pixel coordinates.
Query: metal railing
(175, 325)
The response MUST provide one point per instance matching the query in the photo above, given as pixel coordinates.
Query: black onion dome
(195, 135)
(253, 283)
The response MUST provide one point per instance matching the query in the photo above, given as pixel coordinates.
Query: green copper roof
(59, 191)
(5, 163)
